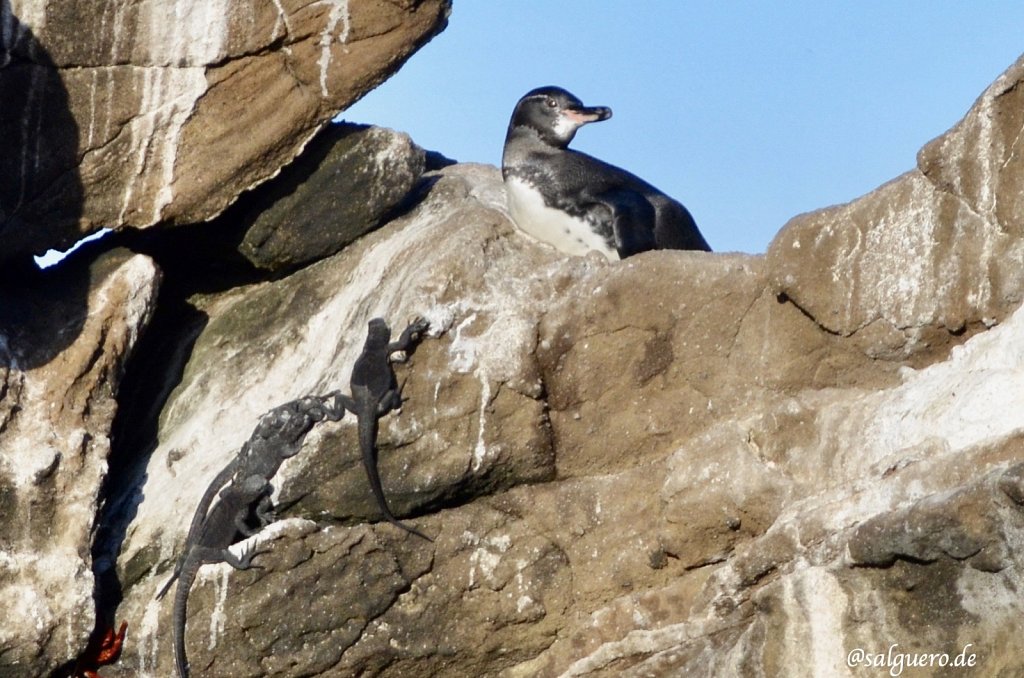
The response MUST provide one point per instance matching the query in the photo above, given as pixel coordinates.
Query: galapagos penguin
(575, 202)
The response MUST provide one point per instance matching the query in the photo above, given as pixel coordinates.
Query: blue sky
(747, 112)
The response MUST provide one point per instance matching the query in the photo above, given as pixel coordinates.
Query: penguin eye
(551, 103)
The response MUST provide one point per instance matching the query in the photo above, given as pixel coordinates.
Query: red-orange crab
(102, 650)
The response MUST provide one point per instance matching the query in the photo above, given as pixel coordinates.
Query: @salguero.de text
(896, 660)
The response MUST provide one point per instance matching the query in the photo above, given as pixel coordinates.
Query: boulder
(453, 260)
(150, 112)
(55, 433)
(929, 254)
(345, 183)
(620, 480)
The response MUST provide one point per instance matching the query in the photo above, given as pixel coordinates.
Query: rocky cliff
(161, 112)
(804, 463)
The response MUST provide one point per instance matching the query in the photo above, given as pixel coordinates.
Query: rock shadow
(41, 199)
(194, 260)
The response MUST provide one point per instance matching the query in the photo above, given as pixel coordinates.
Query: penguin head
(554, 114)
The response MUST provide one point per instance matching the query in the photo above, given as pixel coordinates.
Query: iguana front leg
(251, 491)
(348, 403)
(265, 513)
(410, 336)
(335, 411)
(208, 555)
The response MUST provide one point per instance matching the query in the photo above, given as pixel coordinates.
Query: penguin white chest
(562, 231)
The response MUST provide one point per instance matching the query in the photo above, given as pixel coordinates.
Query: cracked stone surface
(165, 111)
(933, 251)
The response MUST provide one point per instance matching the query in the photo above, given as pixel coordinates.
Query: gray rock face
(137, 113)
(933, 251)
(345, 183)
(454, 260)
(55, 421)
(630, 482)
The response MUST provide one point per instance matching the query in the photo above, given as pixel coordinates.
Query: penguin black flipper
(674, 227)
(630, 215)
(669, 223)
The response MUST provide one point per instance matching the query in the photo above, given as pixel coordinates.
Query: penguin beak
(585, 114)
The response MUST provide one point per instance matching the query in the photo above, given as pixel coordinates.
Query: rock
(680, 464)
(55, 420)
(479, 383)
(41, 192)
(630, 469)
(928, 254)
(668, 548)
(962, 525)
(888, 533)
(315, 563)
(977, 161)
(343, 185)
(166, 111)
(652, 328)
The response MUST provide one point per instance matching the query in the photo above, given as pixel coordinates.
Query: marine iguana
(375, 392)
(278, 435)
(215, 533)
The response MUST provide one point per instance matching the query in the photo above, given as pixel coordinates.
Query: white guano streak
(218, 617)
(338, 14)
(183, 38)
(280, 22)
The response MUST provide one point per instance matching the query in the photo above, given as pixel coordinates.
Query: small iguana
(216, 532)
(278, 436)
(375, 392)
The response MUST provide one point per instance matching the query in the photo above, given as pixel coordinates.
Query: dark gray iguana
(216, 532)
(375, 392)
(278, 436)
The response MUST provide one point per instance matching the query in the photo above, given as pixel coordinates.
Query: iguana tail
(174, 576)
(368, 446)
(188, 572)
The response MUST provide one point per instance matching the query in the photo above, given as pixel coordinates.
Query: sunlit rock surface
(935, 250)
(55, 424)
(135, 113)
(684, 463)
